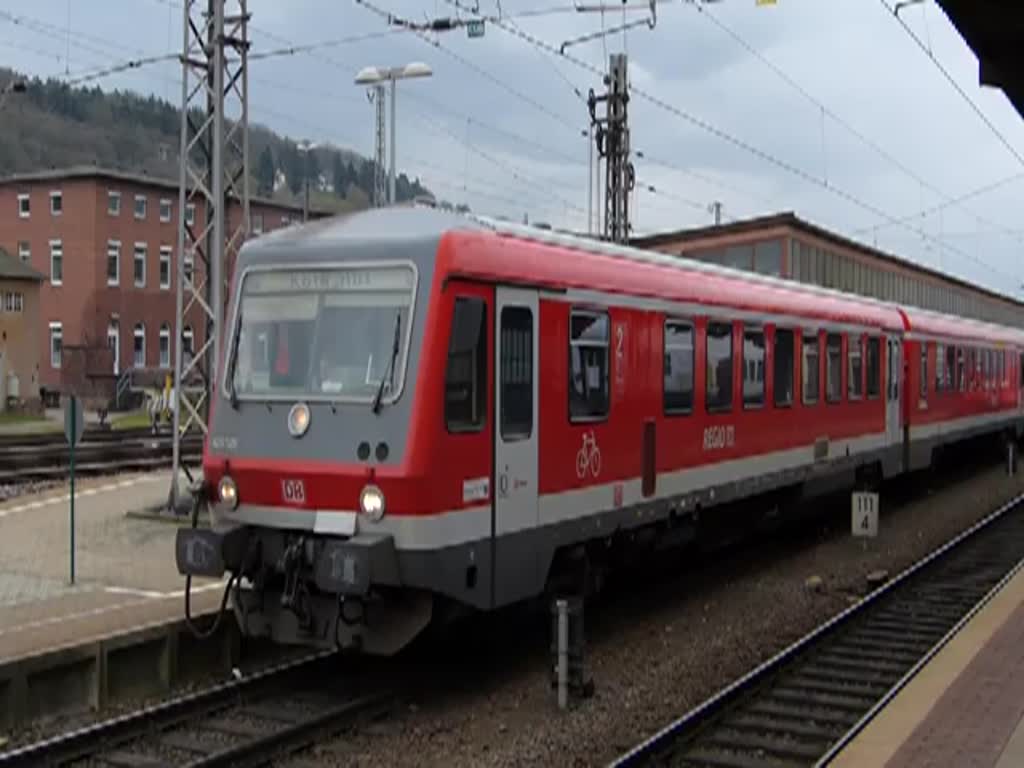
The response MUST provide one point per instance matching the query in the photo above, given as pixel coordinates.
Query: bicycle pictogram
(588, 456)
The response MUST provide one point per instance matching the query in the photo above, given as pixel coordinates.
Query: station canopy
(994, 30)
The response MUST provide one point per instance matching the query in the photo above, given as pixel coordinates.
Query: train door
(894, 369)
(515, 443)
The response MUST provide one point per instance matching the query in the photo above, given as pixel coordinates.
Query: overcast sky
(499, 126)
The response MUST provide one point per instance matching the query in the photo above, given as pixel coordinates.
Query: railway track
(801, 707)
(246, 722)
(49, 459)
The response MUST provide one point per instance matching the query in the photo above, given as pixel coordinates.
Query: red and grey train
(418, 412)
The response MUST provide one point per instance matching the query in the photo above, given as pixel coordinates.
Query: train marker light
(227, 491)
(298, 420)
(371, 502)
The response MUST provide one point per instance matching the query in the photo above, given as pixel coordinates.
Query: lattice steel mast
(612, 139)
(214, 162)
(376, 95)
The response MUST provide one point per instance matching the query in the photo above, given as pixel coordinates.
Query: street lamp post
(374, 75)
(305, 148)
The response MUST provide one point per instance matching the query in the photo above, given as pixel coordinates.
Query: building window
(139, 349)
(812, 373)
(140, 206)
(834, 367)
(516, 372)
(23, 206)
(56, 203)
(753, 368)
(165, 210)
(165, 346)
(188, 344)
(678, 373)
(189, 265)
(140, 264)
(784, 364)
(165, 267)
(113, 262)
(465, 387)
(113, 203)
(588, 365)
(855, 370)
(56, 344)
(719, 367)
(24, 252)
(13, 301)
(190, 214)
(257, 223)
(56, 262)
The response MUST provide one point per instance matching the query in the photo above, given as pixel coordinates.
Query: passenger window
(874, 368)
(588, 365)
(678, 373)
(719, 367)
(516, 372)
(783, 377)
(812, 375)
(961, 370)
(950, 374)
(834, 367)
(465, 386)
(855, 372)
(753, 368)
(940, 363)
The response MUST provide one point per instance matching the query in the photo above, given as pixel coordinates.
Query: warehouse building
(787, 246)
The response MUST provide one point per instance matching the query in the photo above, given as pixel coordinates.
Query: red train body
(544, 397)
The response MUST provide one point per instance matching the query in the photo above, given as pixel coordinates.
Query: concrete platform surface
(125, 573)
(965, 707)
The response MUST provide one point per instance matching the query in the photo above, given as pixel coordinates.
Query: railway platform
(965, 707)
(121, 620)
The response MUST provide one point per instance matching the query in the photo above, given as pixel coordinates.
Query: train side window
(834, 367)
(940, 364)
(812, 375)
(753, 368)
(961, 370)
(950, 374)
(924, 370)
(783, 376)
(874, 368)
(855, 372)
(588, 365)
(516, 372)
(719, 367)
(465, 385)
(678, 367)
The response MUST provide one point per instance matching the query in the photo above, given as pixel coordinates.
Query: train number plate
(294, 491)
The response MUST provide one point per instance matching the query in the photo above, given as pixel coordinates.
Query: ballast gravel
(655, 648)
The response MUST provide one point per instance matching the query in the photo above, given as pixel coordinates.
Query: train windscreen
(336, 334)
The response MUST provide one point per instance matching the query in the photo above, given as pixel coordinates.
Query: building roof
(793, 223)
(12, 268)
(97, 172)
(994, 30)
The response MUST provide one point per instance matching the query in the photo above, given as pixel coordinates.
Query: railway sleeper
(702, 758)
(858, 689)
(795, 725)
(794, 695)
(806, 712)
(827, 674)
(785, 747)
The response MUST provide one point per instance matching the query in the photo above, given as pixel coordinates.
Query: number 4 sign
(864, 508)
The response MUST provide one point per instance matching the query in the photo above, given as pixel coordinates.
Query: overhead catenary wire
(747, 147)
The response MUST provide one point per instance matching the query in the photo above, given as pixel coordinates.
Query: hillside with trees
(52, 125)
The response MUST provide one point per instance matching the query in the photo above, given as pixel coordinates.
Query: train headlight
(298, 420)
(227, 491)
(371, 502)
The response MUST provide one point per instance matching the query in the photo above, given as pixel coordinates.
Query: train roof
(583, 262)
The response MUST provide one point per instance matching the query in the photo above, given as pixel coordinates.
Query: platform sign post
(864, 515)
(74, 427)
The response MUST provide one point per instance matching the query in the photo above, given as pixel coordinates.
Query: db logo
(293, 491)
(588, 457)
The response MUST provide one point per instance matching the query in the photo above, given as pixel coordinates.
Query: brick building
(19, 332)
(105, 243)
(787, 246)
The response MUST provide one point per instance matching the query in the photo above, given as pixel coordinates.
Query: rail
(806, 703)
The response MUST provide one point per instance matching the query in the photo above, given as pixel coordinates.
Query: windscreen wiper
(391, 364)
(234, 360)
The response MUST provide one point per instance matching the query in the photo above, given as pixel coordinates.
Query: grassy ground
(20, 418)
(133, 420)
